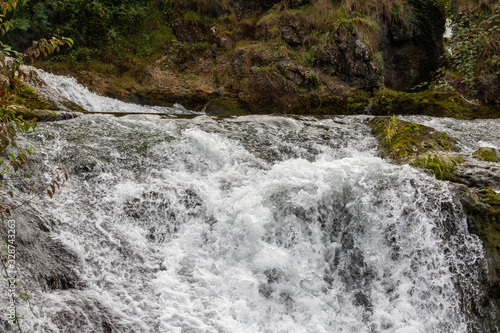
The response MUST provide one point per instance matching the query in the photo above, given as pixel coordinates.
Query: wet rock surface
(476, 178)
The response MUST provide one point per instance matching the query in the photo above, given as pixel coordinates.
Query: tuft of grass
(443, 166)
(206, 7)
(487, 154)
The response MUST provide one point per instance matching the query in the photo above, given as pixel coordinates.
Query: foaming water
(247, 224)
(72, 90)
(470, 134)
(243, 224)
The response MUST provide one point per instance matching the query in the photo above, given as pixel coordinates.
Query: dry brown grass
(206, 7)
(358, 16)
(374, 8)
(319, 14)
(470, 5)
(367, 31)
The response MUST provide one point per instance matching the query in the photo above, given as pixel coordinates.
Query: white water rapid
(243, 224)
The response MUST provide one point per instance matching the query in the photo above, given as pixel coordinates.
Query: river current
(245, 224)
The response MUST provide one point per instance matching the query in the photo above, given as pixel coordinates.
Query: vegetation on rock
(475, 52)
(25, 95)
(267, 56)
(298, 57)
(418, 145)
(487, 154)
(402, 140)
(431, 103)
(482, 207)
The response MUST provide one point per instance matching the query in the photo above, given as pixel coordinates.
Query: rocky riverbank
(476, 178)
(296, 57)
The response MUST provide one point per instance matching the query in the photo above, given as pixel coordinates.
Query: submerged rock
(474, 173)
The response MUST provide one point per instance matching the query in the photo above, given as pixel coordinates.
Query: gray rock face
(45, 260)
(357, 65)
(411, 49)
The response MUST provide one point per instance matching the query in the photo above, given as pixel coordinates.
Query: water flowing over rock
(244, 224)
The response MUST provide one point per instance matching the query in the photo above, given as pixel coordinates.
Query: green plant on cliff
(475, 45)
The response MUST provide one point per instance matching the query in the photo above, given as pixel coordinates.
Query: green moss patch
(431, 103)
(26, 96)
(225, 107)
(443, 166)
(487, 154)
(402, 140)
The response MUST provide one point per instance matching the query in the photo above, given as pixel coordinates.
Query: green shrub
(475, 45)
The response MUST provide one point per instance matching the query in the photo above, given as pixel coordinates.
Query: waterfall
(243, 224)
(72, 90)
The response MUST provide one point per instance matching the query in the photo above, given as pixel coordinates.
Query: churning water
(246, 224)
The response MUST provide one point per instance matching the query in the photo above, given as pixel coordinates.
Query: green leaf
(25, 297)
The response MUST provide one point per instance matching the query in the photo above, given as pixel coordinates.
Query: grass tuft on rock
(402, 140)
(487, 154)
(443, 166)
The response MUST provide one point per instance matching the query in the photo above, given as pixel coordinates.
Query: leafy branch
(13, 156)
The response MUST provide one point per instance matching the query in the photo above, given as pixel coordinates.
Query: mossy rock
(70, 105)
(402, 140)
(482, 207)
(41, 115)
(431, 103)
(225, 107)
(443, 166)
(27, 97)
(357, 102)
(487, 154)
